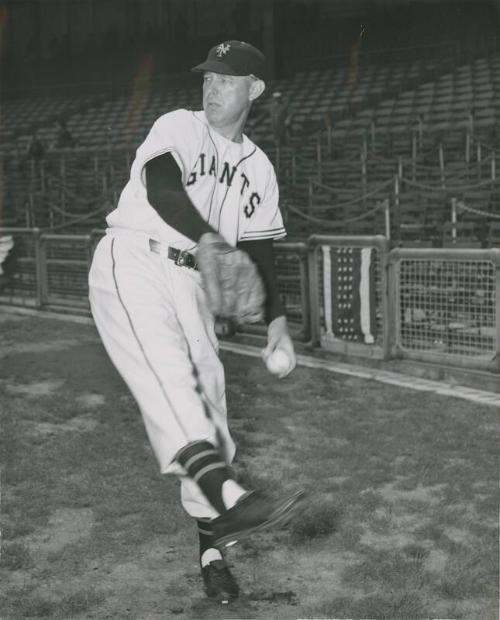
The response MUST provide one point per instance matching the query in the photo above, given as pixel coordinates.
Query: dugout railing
(344, 294)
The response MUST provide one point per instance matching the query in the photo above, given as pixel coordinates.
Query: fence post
(454, 220)
(305, 296)
(310, 194)
(51, 215)
(441, 165)
(315, 327)
(387, 217)
(27, 213)
(30, 210)
(397, 213)
(400, 167)
(40, 268)
(392, 321)
(467, 145)
(35, 215)
(387, 301)
(479, 158)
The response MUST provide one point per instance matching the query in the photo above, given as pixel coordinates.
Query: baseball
(278, 362)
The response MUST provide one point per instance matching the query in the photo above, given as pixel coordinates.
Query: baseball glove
(232, 283)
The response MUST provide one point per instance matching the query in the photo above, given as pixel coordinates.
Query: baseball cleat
(252, 513)
(219, 582)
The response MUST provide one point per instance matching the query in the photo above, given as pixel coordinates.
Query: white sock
(210, 555)
(231, 493)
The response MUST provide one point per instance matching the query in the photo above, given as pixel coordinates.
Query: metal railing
(345, 294)
(51, 270)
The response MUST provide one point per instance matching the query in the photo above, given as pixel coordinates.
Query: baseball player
(191, 238)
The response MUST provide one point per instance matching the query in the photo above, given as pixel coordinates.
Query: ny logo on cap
(223, 49)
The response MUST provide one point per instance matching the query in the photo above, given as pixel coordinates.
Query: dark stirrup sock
(205, 535)
(207, 468)
(208, 553)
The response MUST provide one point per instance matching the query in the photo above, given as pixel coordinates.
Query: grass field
(402, 522)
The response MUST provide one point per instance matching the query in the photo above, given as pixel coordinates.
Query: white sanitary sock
(210, 555)
(231, 493)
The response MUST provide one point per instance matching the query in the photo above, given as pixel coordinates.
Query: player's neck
(232, 131)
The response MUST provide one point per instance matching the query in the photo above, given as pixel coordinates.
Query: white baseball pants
(154, 323)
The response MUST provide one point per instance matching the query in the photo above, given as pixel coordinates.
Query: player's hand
(278, 338)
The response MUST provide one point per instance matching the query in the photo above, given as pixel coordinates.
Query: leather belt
(182, 258)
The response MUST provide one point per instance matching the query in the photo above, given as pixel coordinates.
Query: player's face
(226, 98)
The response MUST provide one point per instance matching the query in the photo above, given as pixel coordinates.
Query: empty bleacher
(412, 135)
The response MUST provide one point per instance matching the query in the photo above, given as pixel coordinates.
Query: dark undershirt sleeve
(261, 252)
(167, 196)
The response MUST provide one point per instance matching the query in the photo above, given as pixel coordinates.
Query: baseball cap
(234, 58)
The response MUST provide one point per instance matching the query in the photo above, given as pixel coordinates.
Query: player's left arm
(278, 337)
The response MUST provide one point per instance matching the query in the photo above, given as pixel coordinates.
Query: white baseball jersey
(233, 185)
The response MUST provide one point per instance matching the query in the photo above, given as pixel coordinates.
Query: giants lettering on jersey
(207, 167)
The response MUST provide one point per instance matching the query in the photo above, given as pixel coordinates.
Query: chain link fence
(66, 260)
(446, 305)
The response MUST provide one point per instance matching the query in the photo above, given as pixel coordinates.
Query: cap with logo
(234, 58)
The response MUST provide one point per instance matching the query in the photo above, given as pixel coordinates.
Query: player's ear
(257, 87)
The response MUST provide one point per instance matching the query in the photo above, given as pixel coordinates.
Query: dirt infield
(402, 522)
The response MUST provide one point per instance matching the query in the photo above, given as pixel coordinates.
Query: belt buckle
(181, 259)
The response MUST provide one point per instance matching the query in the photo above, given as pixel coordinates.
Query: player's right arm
(167, 196)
